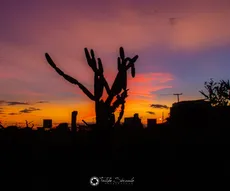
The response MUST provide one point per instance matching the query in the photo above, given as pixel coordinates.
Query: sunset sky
(180, 43)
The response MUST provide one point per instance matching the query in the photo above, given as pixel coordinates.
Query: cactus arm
(101, 71)
(98, 87)
(122, 69)
(124, 80)
(131, 62)
(119, 100)
(69, 78)
(100, 66)
(86, 91)
(122, 53)
(133, 72)
(88, 58)
(123, 96)
(120, 81)
(99, 77)
(116, 104)
(134, 59)
(60, 72)
(106, 85)
(121, 113)
(130, 65)
(91, 59)
(115, 89)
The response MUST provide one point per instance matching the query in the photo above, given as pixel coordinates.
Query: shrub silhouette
(104, 109)
(28, 123)
(218, 92)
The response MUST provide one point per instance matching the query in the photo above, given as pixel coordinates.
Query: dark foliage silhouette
(28, 123)
(104, 109)
(218, 93)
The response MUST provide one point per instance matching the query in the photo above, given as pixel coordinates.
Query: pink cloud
(148, 77)
(199, 24)
(146, 84)
(197, 27)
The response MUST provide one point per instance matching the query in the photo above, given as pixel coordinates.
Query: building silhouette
(151, 123)
(190, 113)
(62, 127)
(221, 116)
(128, 121)
(47, 123)
(133, 122)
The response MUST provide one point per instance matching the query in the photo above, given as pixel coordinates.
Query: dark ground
(160, 156)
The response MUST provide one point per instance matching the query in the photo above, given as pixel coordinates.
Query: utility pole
(178, 96)
(162, 117)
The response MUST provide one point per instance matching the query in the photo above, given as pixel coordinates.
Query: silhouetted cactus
(104, 109)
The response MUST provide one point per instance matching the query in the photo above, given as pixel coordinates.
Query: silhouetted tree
(104, 109)
(27, 124)
(218, 93)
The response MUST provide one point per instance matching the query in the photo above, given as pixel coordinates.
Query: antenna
(178, 96)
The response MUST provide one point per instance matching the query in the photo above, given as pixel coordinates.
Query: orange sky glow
(180, 43)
